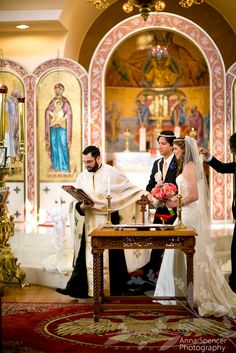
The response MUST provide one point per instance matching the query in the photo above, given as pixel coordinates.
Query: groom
(164, 170)
(227, 168)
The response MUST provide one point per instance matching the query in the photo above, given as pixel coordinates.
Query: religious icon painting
(59, 120)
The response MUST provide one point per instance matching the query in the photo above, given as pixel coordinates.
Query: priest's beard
(94, 168)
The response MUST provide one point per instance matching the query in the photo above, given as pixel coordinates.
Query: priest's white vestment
(123, 199)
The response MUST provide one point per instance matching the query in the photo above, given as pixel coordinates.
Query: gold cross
(143, 202)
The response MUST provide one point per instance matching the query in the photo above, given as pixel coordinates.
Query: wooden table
(139, 237)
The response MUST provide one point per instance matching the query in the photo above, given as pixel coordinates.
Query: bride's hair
(181, 143)
(189, 147)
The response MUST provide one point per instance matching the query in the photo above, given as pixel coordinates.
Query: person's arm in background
(219, 166)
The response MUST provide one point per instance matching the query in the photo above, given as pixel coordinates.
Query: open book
(78, 194)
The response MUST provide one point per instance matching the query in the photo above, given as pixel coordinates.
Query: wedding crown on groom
(166, 135)
(169, 136)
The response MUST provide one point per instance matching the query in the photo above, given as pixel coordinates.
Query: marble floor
(13, 293)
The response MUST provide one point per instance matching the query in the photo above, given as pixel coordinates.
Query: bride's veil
(214, 296)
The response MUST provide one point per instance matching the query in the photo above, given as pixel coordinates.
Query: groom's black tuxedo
(169, 178)
(229, 168)
(156, 254)
(158, 166)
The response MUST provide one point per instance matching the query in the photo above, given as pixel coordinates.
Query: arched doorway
(217, 85)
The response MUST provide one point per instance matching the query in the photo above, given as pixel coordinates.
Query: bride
(212, 293)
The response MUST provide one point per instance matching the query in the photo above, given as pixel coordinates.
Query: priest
(98, 180)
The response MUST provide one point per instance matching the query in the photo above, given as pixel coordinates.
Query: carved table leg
(97, 282)
(190, 298)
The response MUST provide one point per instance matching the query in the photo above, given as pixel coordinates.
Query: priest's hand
(85, 205)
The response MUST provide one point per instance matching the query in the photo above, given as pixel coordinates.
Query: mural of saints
(58, 130)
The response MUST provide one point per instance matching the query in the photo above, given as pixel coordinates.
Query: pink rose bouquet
(162, 192)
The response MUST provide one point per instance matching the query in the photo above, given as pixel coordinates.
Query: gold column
(8, 262)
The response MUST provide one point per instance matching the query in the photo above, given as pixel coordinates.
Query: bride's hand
(171, 203)
(174, 198)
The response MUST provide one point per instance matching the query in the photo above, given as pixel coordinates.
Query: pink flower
(164, 191)
(170, 190)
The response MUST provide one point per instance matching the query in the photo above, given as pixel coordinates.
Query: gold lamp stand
(8, 262)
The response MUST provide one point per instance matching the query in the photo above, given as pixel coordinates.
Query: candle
(177, 131)
(109, 184)
(142, 139)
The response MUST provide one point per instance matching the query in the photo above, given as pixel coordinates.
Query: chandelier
(158, 52)
(144, 6)
(159, 49)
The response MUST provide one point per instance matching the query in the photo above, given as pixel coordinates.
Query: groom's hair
(169, 136)
(95, 152)
(232, 142)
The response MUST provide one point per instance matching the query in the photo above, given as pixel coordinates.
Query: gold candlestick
(179, 212)
(108, 209)
(193, 133)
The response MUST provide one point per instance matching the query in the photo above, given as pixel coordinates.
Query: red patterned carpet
(70, 328)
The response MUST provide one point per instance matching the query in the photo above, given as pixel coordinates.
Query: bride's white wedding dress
(212, 293)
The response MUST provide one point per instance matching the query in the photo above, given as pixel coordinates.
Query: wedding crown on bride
(164, 135)
(179, 139)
